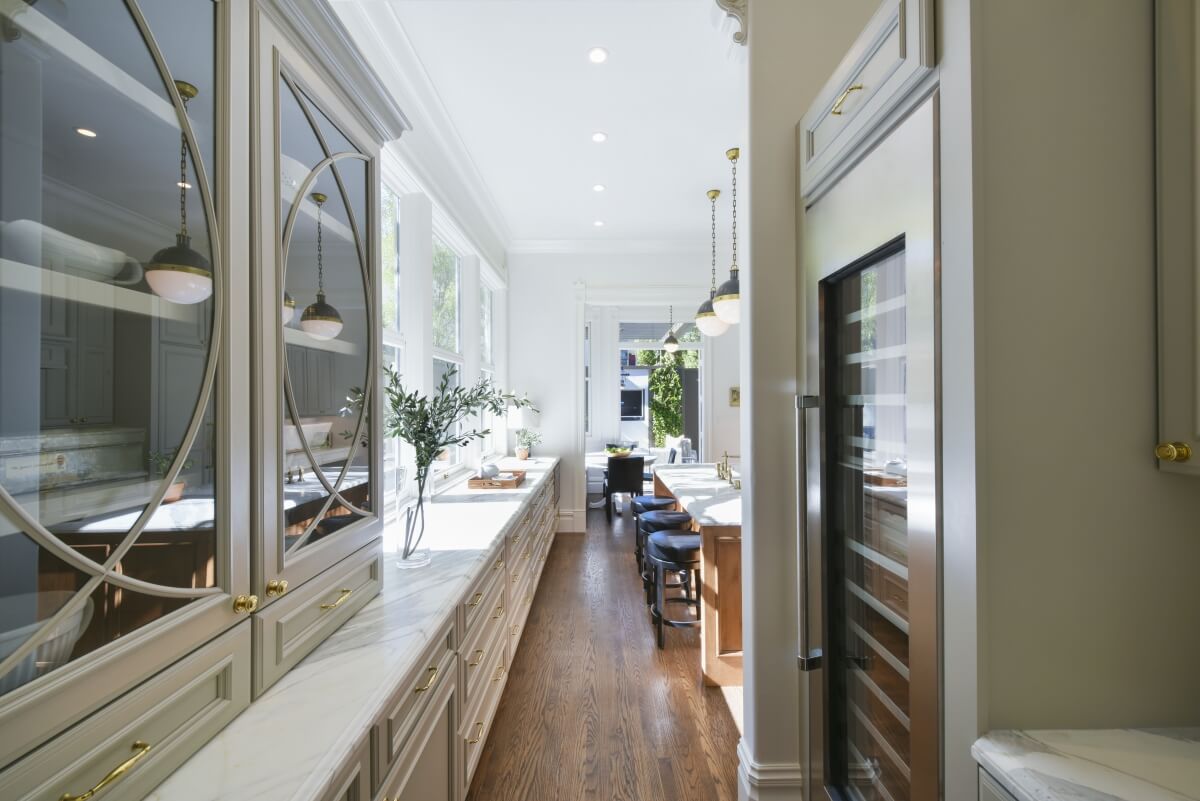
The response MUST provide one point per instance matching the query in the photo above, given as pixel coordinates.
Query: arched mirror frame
(81, 686)
(273, 561)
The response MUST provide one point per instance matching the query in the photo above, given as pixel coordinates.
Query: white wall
(549, 295)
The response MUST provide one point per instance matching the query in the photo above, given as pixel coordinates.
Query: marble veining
(711, 501)
(1094, 765)
(289, 743)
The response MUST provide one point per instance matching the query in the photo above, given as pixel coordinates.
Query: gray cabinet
(1178, 143)
(990, 789)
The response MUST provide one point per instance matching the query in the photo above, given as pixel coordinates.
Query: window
(486, 356)
(390, 229)
(587, 379)
(453, 455)
(445, 298)
(487, 420)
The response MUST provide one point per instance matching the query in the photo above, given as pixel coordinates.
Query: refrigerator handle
(809, 658)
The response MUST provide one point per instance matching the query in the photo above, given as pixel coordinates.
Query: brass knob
(276, 587)
(1173, 452)
(244, 604)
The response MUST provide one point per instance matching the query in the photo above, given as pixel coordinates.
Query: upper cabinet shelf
(1177, 144)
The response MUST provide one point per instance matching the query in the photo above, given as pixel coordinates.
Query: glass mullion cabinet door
(117, 553)
(317, 325)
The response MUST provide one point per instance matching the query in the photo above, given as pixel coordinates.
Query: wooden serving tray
(498, 483)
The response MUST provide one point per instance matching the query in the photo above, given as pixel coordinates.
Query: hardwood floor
(593, 710)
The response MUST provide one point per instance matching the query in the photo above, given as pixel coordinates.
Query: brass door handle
(1173, 452)
(478, 658)
(837, 104)
(433, 673)
(478, 734)
(276, 587)
(475, 600)
(499, 613)
(244, 604)
(343, 595)
(140, 749)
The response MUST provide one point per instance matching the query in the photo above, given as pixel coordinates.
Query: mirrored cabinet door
(318, 308)
(115, 547)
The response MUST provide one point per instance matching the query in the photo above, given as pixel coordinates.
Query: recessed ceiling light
(598, 188)
(183, 184)
(599, 223)
(597, 55)
(88, 132)
(599, 136)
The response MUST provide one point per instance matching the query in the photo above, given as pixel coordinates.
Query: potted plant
(526, 439)
(160, 462)
(430, 426)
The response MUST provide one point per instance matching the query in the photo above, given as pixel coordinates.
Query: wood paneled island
(716, 510)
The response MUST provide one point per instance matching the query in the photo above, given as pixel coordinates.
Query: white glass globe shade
(321, 329)
(728, 309)
(178, 286)
(711, 325)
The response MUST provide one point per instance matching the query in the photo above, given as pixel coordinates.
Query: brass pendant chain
(734, 268)
(714, 246)
(320, 254)
(183, 229)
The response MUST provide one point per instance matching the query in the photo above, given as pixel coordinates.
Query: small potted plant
(430, 425)
(160, 463)
(526, 439)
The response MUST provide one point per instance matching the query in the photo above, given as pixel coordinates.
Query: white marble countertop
(710, 501)
(1094, 765)
(287, 745)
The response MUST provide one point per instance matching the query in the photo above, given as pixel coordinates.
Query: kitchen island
(1090, 765)
(716, 509)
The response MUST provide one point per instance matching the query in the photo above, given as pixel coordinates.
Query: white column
(469, 331)
(415, 247)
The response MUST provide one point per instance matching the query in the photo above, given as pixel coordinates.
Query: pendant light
(320, 320)
(671, 344)
(178, 273)
(288, 310)
(706, 319)
(728, 302)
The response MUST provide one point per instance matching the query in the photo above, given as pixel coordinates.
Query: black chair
(624, 474)
(676, 551)
(648, 476)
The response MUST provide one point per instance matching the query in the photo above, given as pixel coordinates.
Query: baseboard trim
(572, 520)
(757, 781)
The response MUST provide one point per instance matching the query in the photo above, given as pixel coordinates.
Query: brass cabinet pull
(514, 630)
(244, 604)
(276, 587)
(499, 613)
(433, 671)
(1173, 452)
(140, 749)
(837, 104)
(478, 734)
(343, 595)
(499, 674)
(516, 578)
(516, 538)
(499, 565)
(526, 554)
(475, 601)
(478, 658)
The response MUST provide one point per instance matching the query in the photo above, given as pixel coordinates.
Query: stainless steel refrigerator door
(889, 197)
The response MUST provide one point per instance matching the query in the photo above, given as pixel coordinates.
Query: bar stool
(674, 550)
(648, 523)
(642, 504)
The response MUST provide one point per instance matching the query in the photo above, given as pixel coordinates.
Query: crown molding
(435, 155)
(739, 10)
(606, 247)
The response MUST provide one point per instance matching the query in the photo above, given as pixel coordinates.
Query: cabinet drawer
(351, 783)
(990, 789)
(480, 657)
(479, 599)
(434, 670)
(881, 62)
(139, 739)
(299, 621)
(477, 723)
(427, 768)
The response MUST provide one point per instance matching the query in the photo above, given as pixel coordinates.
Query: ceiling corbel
(740, 11)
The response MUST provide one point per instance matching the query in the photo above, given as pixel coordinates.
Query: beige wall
(1091, 613)
(794, 47)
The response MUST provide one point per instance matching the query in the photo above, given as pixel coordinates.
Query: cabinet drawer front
(139, 739)
(479, 599)
(435, 669)
(351, 783)
(990, 789)
(427, 768)
(299, 621)
(477, 724)
(480, 659)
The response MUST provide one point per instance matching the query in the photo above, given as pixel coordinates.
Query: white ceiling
(514, 79)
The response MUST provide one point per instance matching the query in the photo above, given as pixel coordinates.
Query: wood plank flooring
(592, 709)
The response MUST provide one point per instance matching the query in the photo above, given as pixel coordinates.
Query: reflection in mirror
(104, 376)
(326, 464)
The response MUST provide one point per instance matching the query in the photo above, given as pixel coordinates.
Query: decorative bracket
(739, 10)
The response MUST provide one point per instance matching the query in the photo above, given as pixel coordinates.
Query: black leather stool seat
(657, 521)
(652, 503)
(676, 546)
